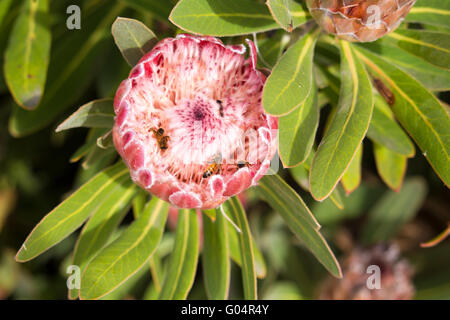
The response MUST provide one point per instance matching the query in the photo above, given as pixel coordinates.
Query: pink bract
(207, 98)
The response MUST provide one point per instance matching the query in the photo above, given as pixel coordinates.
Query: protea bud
(359, 20)
(190, 123)
(361, 270)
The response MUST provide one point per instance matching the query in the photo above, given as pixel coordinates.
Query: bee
(161, 138)
(213, 168)
(384, 91)
(242, 164)
(219, 102)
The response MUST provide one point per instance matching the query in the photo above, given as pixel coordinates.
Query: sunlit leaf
(431, 76)
(183, 261)
(299, 219)
(348, 127)
(95, 114)
(222, 18)
(431, 46)
(28, 53)
(418, 111)
(215, 260)
(391, 166)
(436, 12)
(71, 213)
(290, 82)
(288, 13)
(101, 225)
(127, 254)
(235, 209)
(393, 210)
(133, 39)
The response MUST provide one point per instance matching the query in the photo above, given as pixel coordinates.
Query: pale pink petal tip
(182, 199)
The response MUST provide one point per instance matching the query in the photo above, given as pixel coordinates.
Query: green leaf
(432, 77)
(133, 39)
(72, 68)
(435, 12)
(235, 252)
(352, 176)
(4, 7)
(271, 48)
(28, 53)
(299, 219)
(183, 261)
(385, 130)
(158, 8)
(291, 80)
(71, 213)
(95, 114)
(234, 207)
(102, 224)
(418, 111)
(433, 47)
(391, 166)
(297, 131)
(348, 127)
(215, 261)
(127, 254)
(300, 174)
(222, 18)
(288, 13)
(393, 210)
(90, 143)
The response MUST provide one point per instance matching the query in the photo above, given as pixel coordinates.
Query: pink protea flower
(359, 20)
(190, 124)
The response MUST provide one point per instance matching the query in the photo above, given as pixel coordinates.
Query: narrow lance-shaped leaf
(352, 176)
(290, 82)
(299, 219)
(387, 132)
(222, 18)
(28, 53)
(391, 166)
(235, 252)
(418, 111)
(234, 208)
(348, 127)
(432, 77)
(297, 131)
(127, 254)
(72, 68)
(288, 13)
(95, 114)
(183, 261)
(71, 213)
(393, 210)
(102, 224)
(300, 174)
(435, 12)
(133, 39)
(431, 46)
(215, 260)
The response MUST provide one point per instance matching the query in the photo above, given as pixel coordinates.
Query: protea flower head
(359, 20)
(395, 276)
(190, 124)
